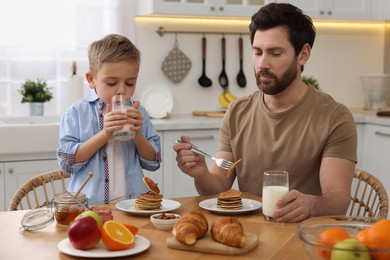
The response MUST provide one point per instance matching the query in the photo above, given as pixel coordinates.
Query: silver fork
(224, 164)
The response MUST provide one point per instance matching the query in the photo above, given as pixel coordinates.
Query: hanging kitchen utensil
(223, 79)
(241, 80)
(204, 81)
(176, 65)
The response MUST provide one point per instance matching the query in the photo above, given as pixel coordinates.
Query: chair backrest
(39, 190)
(369, 198)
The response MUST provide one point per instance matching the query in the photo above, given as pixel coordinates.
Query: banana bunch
(226, 98)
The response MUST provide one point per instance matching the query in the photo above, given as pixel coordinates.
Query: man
(287, 125)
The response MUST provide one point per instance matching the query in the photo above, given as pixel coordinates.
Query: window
(41, 39)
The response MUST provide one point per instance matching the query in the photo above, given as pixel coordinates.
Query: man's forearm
(331, 203)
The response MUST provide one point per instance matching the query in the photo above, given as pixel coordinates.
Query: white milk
(124, 134)
(270, 195)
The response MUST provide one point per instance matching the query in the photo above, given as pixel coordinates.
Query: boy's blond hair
(112, 48)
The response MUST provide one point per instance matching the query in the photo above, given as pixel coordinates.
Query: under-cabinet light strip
(240, 26)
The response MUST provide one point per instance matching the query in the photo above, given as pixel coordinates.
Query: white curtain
(41, 39)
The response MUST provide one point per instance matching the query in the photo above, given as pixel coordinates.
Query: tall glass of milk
(275, 185)
(122, 103)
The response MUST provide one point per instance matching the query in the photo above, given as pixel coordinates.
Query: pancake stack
(150, 200)
(230, 199)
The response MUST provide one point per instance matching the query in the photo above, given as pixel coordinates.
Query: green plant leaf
(35, 91)
(311, 80)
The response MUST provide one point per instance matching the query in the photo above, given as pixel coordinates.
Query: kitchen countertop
(16, 144)
(369, 117)
(186, 122)
(182, 121)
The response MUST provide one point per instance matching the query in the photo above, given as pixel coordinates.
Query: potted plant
(312, 81)
(36, 93)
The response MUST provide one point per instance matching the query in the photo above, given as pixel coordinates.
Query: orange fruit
(133, 229)
(362, 236)
(116, 236)
(329, 237)
(378, 238)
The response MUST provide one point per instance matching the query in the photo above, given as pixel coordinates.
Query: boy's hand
(135, 118)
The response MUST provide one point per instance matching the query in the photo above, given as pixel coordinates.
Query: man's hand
(293, 207)
(189, 162)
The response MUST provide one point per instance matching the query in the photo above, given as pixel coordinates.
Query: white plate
(247, 205)
(100, 251)
(129, 206)
(157, 101)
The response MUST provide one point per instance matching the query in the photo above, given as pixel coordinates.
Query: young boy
(86, 142)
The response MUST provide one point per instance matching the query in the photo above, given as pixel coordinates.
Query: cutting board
(208, 245)
(383, 113)
(218, 114)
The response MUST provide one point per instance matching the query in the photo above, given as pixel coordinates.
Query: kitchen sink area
(29, 120)
(27, 136)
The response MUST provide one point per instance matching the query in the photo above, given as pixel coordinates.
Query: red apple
(93, 214)
(84, 233)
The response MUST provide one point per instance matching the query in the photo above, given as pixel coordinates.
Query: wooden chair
(39, 191)
(370, 196)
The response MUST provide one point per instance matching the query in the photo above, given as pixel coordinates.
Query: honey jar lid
(37, 219)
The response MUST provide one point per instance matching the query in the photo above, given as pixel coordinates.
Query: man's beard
(273, 85)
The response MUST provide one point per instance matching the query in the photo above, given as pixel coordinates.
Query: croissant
(228, 231)
(190, 227)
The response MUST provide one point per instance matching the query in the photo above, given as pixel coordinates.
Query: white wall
(338, 58)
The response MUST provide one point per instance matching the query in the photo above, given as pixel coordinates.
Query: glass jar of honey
(67, 208)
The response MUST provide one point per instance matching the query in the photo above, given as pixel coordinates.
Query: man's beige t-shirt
(294, 140)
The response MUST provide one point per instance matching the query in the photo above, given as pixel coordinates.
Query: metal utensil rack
(161, 31)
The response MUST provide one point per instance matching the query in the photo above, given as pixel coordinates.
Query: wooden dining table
(275, 240)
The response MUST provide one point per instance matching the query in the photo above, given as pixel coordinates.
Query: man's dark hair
(300, 27)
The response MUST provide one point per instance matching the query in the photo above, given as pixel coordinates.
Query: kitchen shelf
(161, 31)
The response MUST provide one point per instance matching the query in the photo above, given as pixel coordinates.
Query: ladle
(204, 81)
(223, 79)
(241, 80)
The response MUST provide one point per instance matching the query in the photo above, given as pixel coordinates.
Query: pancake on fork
(152, 186)
(230, 199)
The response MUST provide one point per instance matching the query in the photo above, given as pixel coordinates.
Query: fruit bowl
(341, 237)
(164, 221)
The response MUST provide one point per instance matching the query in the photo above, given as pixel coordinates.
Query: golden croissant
(190, 227)
(228, 231)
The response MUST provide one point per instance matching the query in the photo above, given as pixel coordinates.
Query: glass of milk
(122, 103)
(275, 185)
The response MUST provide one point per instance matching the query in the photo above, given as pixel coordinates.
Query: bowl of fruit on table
(345, 238)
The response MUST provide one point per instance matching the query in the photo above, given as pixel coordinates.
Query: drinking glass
(275, 185)
(122, 103)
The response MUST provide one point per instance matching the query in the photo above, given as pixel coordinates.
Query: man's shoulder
(323, 99)
(326, 105)
(246, 101)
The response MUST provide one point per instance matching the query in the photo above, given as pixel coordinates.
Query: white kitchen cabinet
(157, 176)
(176, 183)
(334, 9)
(381, 9)
(14, 174)
(360, 128)
(376, 150)
(245, 8)
(2, 187)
